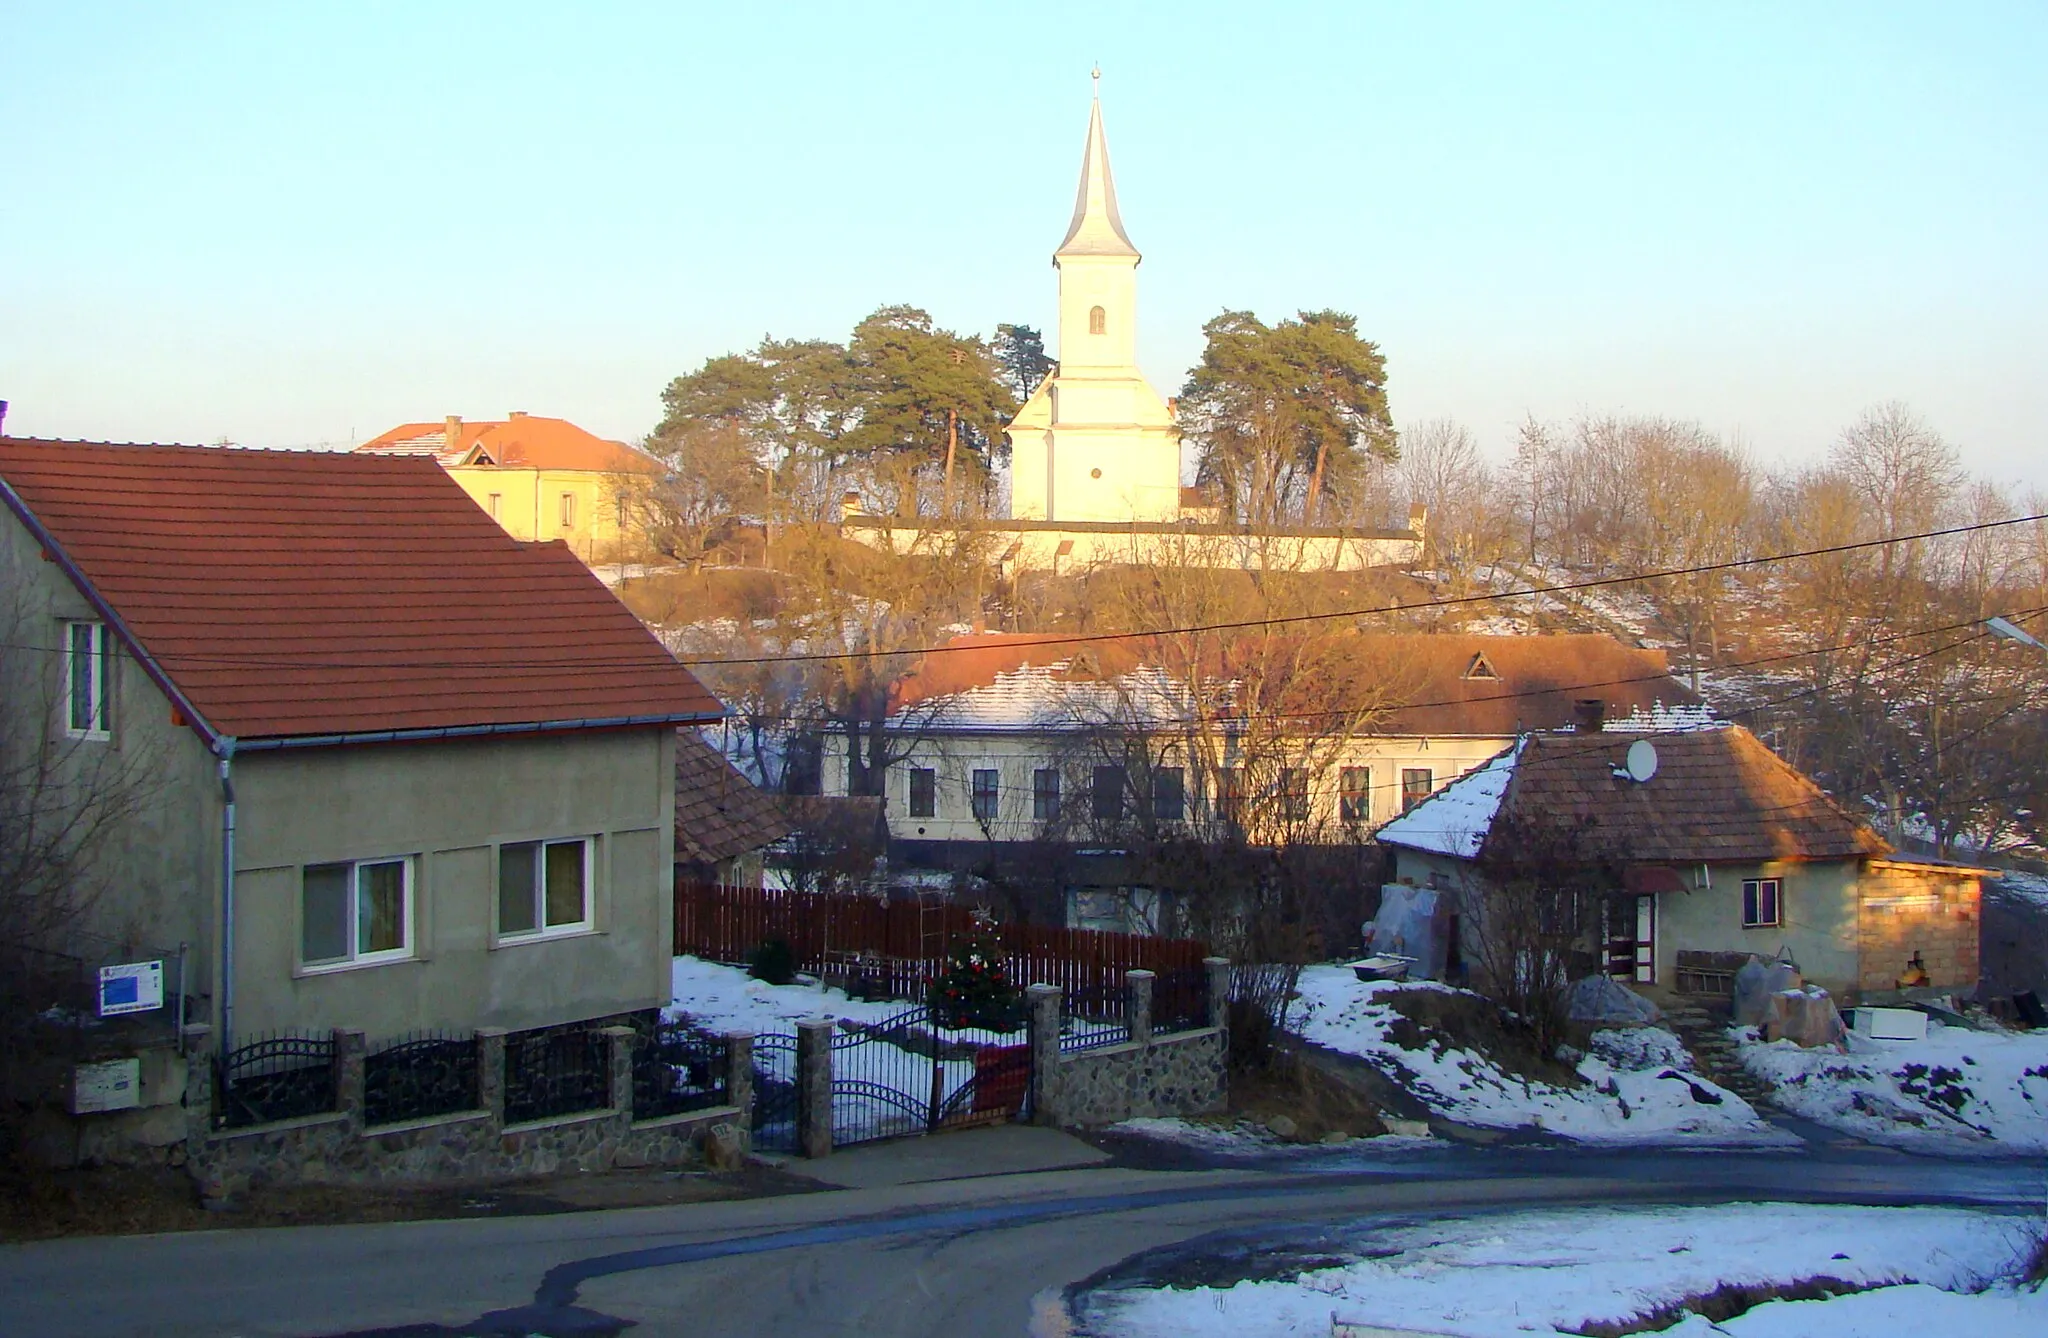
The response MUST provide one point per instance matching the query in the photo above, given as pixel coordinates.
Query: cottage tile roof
(719, 812)
(1717, 795)
(524, 441)
(1439, 684)
(292, 594)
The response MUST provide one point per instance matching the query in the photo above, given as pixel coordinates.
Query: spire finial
(1096, 75)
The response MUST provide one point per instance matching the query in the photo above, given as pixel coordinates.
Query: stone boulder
(1602, 1001)
(1806, 1016)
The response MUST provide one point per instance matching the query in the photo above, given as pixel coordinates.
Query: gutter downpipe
(225, 1044)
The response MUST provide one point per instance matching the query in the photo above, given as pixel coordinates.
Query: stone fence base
(339, 1148)
(1185, 1073)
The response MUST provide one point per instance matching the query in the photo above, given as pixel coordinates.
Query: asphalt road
(985, 1254)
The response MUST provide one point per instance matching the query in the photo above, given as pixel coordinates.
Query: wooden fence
(902, 944)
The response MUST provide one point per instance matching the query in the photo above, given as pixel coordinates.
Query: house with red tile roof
(1695, 849)
(1005, 742)
(397, 769)
(540, 478)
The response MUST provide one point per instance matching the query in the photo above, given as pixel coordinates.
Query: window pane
(1169, 794)
(1415, 786)
(1109, 793)
(985, 794)
(103, 689)
(1045, 794)
(1293, 794)
(380, 906)
(80, 704)
(924, 789)
(323, 913)
(565, 882)
(1355, 794)
(517, 883)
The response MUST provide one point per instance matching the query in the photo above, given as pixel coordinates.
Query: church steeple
(1097, 230)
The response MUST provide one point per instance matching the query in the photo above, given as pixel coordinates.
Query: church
(1095, 458)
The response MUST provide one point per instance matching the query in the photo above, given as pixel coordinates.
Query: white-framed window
(568, 510)
(986, 796)
(1763, 903)
(924, 792)
(88, 680)
(355, 913)
(544, 887)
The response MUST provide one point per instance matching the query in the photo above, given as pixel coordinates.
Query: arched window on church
(1098, 321)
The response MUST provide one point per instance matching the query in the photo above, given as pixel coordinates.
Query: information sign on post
(132, 987)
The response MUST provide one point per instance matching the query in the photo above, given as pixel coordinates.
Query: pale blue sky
(287, 224)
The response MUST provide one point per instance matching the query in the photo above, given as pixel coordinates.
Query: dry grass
(1433, 1017)
(1725, 1302)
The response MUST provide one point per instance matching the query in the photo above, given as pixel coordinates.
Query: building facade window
(1416, 783)
(1045, 794)
(497, 505)
(1229, 793)
(543, 887)
(568, 510)
(1108, 794)
(1762, 903)
(355, 913)
(1098, 321)
(1293, 794)
(924, 792)
(1354, 794)
(1169, 794)
(987, 793)
(88, 680)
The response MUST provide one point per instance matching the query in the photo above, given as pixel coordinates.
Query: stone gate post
(1219, 989)
(814, 1087)
(350, 1048)
(1138, 1006)
(490, 1073)
(1045, 1053)
(739, 1082)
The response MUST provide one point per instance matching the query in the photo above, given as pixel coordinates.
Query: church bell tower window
(1098, 321)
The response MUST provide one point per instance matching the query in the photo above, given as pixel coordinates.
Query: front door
(1632, 938)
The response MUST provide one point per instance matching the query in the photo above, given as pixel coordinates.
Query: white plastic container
(1891, 1024)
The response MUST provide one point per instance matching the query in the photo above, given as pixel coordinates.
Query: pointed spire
(1097, 230)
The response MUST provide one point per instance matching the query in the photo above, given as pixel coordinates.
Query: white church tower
(1095, 443)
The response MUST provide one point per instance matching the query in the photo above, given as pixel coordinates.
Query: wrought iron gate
(775, 1092)
(907, 1074)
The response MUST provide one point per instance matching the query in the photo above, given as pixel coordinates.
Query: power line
(570, 659)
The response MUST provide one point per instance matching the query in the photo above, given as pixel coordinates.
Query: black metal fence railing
(275, 1078)
(1180, 1001)
(419, 1076)
(1095, 1017)
(676, 1069)
(775, 1094)
(556, 1071)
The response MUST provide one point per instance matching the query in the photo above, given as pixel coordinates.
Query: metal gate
(775, 1092)
(907, 1074)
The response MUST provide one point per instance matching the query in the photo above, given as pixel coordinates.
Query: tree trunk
(952, 443)
(1315, 485)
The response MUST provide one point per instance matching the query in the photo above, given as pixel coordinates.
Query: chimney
(1589, 714)
(517, 413)
(849, 504)
(3, 418)
(453, 425)
(1418, 519)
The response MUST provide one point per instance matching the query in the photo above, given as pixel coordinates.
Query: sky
(302, 224)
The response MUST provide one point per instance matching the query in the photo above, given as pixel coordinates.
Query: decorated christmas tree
(975, 989)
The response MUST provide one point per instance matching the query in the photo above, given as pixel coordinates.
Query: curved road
(986, 1254)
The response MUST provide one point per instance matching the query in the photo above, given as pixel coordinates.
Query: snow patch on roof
(1039, 697)
(1455, 820)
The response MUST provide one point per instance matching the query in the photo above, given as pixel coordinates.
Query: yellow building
(539, 478)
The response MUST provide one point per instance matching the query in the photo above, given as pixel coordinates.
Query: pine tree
(975, 989)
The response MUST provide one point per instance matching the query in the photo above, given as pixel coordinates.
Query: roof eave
(277, 743)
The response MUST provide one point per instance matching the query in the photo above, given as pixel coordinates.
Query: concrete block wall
(1903, 909)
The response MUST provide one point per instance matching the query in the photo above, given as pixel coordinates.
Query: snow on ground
(1938, 1272)
(1988, 1089)
(1640, 1084)
(726, 998)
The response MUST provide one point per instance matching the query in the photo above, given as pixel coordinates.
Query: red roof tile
(290, 594)
(525, 442)
(1431, 683)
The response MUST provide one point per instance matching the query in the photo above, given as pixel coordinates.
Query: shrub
(774, 962)
(975, 989)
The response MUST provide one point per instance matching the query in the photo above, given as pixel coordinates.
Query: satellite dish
(1642, 760)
